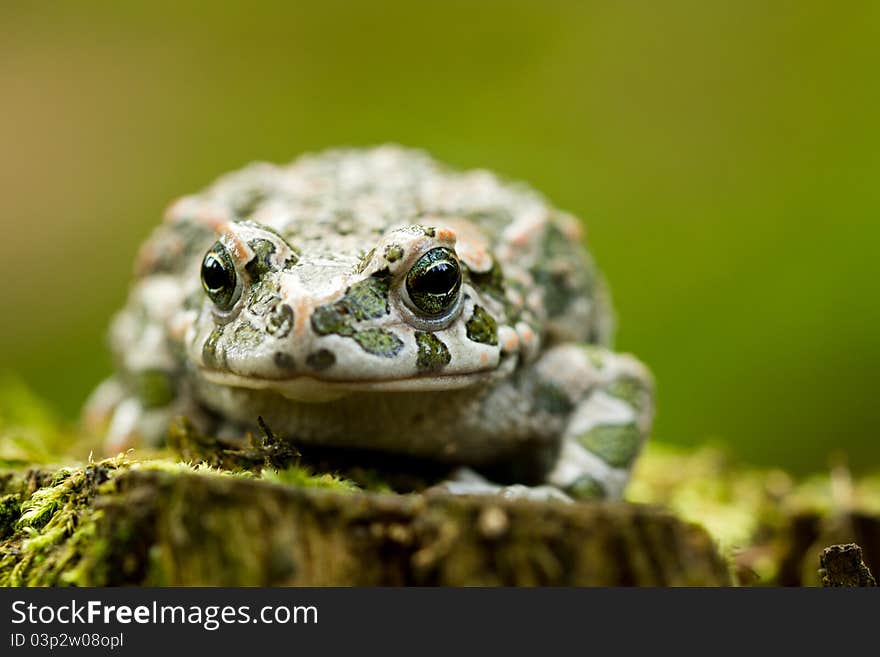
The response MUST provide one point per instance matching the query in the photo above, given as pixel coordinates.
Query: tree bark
(178, 528)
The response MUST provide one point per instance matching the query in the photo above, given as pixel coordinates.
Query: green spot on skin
(320, 360)
(393, 252)
(367, 299)
(594, 354)
(551, 398)
(154, 388)
(630, 390)
(246, 204)
(490, 282)
(280, 321)
(561, 274)
(557, 291)
(364, 261)
(269, 229)
(263, 297)
(433, 355)
(213, 356)
(482, 327)
(616, 444)
(331, 320)
(261, 263)
(586, 487)
(556, 244)
(247, 335)
(379, 342)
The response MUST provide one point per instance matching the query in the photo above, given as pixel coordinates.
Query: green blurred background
(724, 156)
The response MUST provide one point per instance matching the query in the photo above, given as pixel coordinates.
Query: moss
(707, 486)
(10, 512)
(54, 528)
(771, 526)
(252, 454)
(210, 530)
(60, 535)
(304, 477)
(96, 523)
(56, 534)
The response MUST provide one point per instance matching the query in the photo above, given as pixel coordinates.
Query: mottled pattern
(433, 354)
(482, 327)
(367, 299)
(377, 299)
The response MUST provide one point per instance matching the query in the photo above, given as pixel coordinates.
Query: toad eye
(434, 281)
(219, 278)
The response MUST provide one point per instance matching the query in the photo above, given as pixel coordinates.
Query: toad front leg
(608, 401)
(612, 402)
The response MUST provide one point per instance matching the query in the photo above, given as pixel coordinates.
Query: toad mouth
(308, 388)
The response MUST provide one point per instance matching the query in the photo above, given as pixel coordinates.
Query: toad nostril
(284, 361)
(320, 360)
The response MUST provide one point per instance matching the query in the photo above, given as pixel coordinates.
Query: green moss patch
(49, 531)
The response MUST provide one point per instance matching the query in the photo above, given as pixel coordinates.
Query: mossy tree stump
(173, 528)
